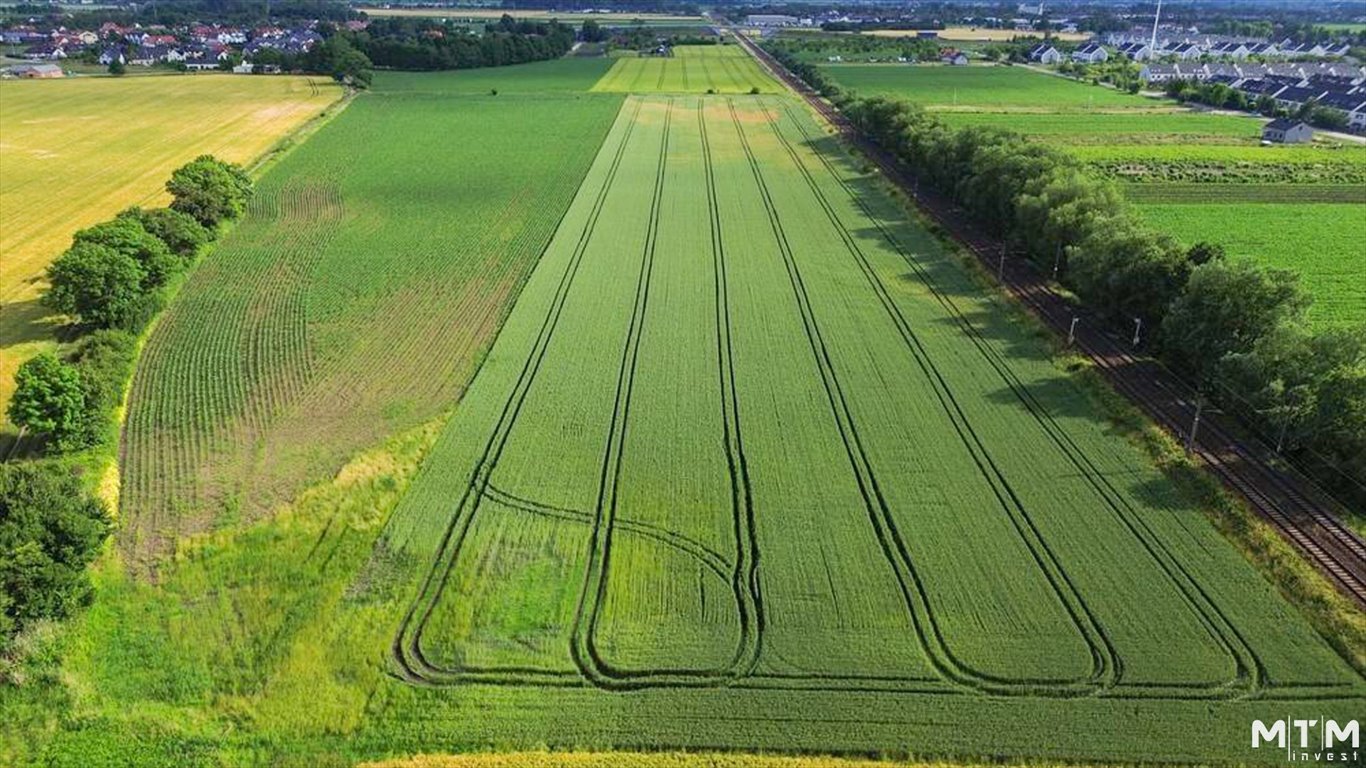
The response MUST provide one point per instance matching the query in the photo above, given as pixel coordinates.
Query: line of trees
(336, 56)
(429, 44)
(110, 283)
(1237, 329)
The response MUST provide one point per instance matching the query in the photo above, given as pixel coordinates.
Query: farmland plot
(65, 165)
(746, 433)
(1319, 240)
(691, 69)
(352, 301)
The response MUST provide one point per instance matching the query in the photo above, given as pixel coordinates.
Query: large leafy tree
(50, 530)
(50, 400)
(181, 232)
(97, 284)
(127, 236)
(209, 190)
(1226, 308)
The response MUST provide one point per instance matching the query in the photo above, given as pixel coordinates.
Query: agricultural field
(65, 164)
(1199, 175)
(691, 69)
(1320, 241)
(982, 88)
(977, 34)
(560, 76)
(686, 502)
(352, 301)
(1128, 127)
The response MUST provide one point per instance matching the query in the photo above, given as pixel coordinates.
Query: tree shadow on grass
(26, 322)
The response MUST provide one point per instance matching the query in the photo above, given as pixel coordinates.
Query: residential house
(1183, 51)
(1230, 50)
(1045, 54)
(111, 55)
(1309, 50)
(1287, 131)
(1090, 53)
(770, 20)
(953, 57)
(1352, 105)
(45, 51)
(1293, 97)
(1136, 51)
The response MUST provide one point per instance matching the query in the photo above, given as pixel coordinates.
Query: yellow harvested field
(76, 151)
(977, 34)
(521, 13)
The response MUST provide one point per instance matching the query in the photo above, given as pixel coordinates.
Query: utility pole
(1001, 268)
(1195, 423)
(1138, 326)
(1152, 44)
(1057, 262)
(1072, 331)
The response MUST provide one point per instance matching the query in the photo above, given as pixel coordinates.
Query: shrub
(104, 360)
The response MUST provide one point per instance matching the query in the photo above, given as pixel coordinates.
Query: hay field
(74, 152)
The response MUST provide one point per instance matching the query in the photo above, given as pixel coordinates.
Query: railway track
(1288, 501)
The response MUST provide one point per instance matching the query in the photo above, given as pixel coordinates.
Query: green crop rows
(1199, 176)
(1309, 238)
(691, 69)
(353, 300)
(1115, 127)
(752, 464)
(742, 499)
(984, 88)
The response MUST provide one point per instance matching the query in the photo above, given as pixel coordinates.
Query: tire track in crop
(713, 560)
(1105, 667)
(927, 629)
(743, 579)
(587, 656)
(749, 598)
(1250, 672)
(406, 649)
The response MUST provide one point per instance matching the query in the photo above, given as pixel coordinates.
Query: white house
(1184, 51)
(1136, 51)
(1091, 53)
(1287, 131)
(1230, 50)
(1045, 54)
